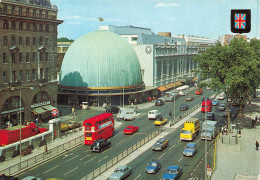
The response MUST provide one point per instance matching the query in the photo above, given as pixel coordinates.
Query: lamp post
(123, 88)
(20, 125)
(206, 137)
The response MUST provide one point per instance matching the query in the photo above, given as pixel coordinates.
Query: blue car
(190, 149)
(172, 173)
(215, 102)
(153, 167)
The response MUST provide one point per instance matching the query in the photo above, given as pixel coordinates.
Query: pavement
(240, 161)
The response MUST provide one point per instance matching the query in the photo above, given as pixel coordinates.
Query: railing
(121, 156)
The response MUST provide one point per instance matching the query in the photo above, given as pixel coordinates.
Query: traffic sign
(54, 112)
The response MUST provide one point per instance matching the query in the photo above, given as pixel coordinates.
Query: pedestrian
(256, 119)
(45, 148)
(72, 110)
(256, 145)
(37, 120)
(253, 123)
(170, 114)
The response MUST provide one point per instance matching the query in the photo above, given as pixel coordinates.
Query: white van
(153, 114)
(126, 114)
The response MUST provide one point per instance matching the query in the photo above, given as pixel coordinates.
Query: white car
(221, 97)
(154, 114)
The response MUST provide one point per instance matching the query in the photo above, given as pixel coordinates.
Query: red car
(199, 92)
(131, 129)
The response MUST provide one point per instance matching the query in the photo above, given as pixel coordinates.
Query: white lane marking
(180, 159)
(137, 177)
(172, 147)
(89, 160)
(161, 156)
(71, 171)
(120, 142)
(179, 140)
(84, 157)
(197, 141)
(51, 169)
(87, 150)
(72, 158)
(66, 155)
(103, 158)
(118, 134)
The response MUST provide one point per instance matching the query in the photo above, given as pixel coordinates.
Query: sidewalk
(241, 161)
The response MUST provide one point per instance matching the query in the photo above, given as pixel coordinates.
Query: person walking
(256, 145)
(253, 123)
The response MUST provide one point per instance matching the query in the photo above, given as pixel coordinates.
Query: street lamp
(206, 137)
(20, 125)
(123, 87)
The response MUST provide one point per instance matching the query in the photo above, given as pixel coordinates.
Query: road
(79, 162)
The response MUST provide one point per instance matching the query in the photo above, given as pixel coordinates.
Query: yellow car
(160, 121)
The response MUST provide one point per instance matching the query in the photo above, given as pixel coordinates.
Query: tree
(232, 69)
(64, 39)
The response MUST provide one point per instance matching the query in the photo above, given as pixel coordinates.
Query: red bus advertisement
(98, 127)
(208, 104)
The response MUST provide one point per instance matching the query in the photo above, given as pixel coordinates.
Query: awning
(39, 110)
(169, 86)
(177, 83)
(48, 107)
(162, 88)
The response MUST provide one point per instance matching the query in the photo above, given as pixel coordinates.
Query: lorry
(126, 114)
(190, 130)
(209, 130)
(12, 134)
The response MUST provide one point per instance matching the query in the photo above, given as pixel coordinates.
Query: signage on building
(40, 104)
(13, 110)
(54, 112)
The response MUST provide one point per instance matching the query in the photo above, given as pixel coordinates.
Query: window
(5, 40)
(46, 41)
(5, 24)
(34, 27)
(20, 40)
(20, 25)
(27, 12)
(20, 10)
(46, 56)
(46, 74)
(13, 25)
(27, 75)
(40, 41)
(40, 28)
(34, 41)
(34, 12)
(4, 57)
(13, 57)
(27, 26)
(4, 77)
(13, 40)
(20, 57)
(47, 28)
(27, 57)
(40, 13)
(13, 76)
(46, 14)
(41, 56)
(13, 9)
(5, 9)
(34, 74)
(27, 40)
(34, 57)
(21, 75)
(41, 73)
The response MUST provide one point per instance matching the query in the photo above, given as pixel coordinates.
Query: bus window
(87, 128)
(88, 134)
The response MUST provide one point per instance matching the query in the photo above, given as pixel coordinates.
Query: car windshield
(185, 132)
(151, 112)
(208, 131)
(189, 147)
(127, 128)
(171, 171)
(159, 142)
(118, 171)
(154, 164)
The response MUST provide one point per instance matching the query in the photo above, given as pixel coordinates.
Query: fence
(121, 156)
(42, 156)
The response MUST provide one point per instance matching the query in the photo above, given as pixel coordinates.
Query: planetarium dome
(100, 60)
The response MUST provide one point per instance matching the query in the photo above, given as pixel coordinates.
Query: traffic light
(240, 20)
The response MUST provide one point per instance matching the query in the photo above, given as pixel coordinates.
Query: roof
(127, 30)
(173, 167)
(97, 118)
(192, 120)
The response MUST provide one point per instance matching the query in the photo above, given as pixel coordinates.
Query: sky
(204, 18)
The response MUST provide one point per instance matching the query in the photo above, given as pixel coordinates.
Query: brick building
(28, 60)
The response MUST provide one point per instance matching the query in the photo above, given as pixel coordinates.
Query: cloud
(162, 5)
(72, 17)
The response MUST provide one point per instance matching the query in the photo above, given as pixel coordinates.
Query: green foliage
(64, 39)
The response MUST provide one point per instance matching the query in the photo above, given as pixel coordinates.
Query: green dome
(100, 59)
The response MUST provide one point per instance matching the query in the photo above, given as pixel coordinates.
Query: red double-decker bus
(98, 127)
(206, 106)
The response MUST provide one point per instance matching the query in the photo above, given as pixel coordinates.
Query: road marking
(89, 160)
(172, 147)
(161, 156)
(120, 142)
(103, 158)
(72, 158)
(137, 177)
(84, 157)
(197, 141)
(118, 134)
(51, 169)
(179, 140)
(180, 159)
(87, 150)
(66, 155)
(71, 171)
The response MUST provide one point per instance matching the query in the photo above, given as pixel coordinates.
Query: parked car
(73, 124)
(159, 102)
(221, 107)
(154, 114)
(160, 121)
(210, 116)
(184, 107)
(215, 102)
(112, 109)
(121, 172)
(153, 167)
(100, 145)
(160, 144)
(172, 172)
(190, 149)
(30, 178)
(189, 98)
(221, 97)
(131, 129)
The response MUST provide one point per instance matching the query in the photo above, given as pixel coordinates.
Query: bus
(183, 90)
(98, 127)
(208, 104)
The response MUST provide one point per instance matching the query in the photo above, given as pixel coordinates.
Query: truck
(126, 114)
(190, 130)
(12, 134)
(209, 130)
